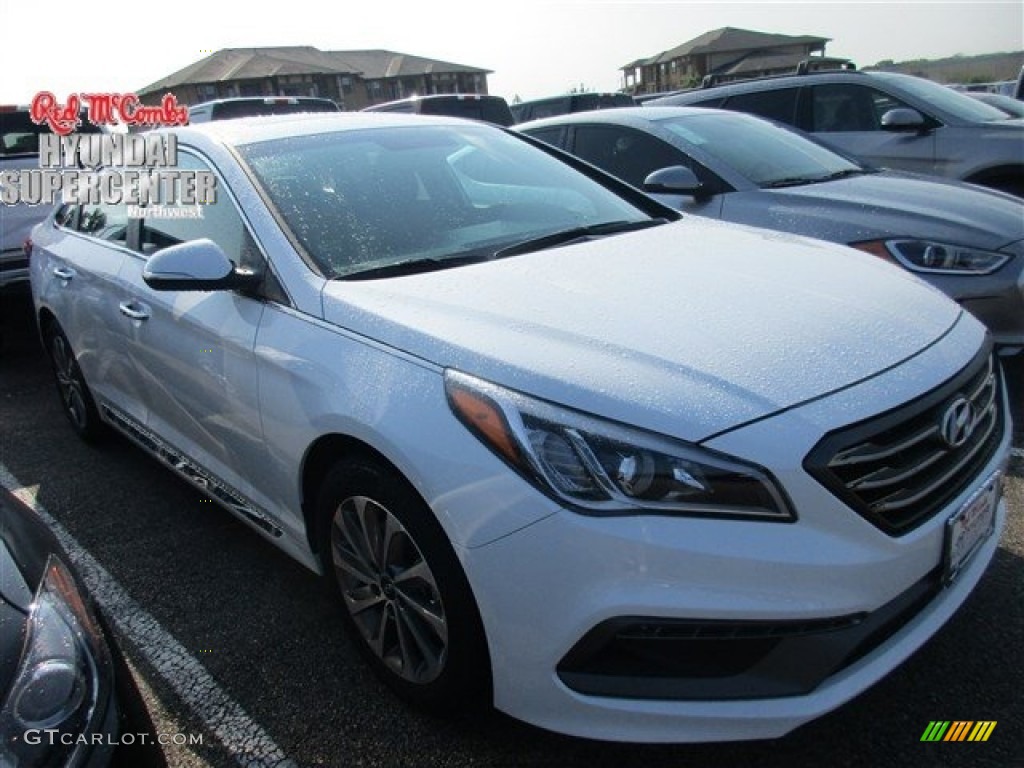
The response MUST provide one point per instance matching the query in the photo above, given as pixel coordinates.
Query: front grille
(900, 468)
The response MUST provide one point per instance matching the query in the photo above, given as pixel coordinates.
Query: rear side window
(103, 221)
(778, 104)
(20, 136)
(553, 136)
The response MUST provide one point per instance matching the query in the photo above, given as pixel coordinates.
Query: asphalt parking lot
(233, 642)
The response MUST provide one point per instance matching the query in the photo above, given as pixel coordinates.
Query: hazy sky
(535, 48)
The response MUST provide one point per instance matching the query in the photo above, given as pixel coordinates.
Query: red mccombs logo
(104, 109)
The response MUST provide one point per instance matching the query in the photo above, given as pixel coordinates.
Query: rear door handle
(133, 310)
(63, 273)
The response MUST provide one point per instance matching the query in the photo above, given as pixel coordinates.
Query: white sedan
(623, 475)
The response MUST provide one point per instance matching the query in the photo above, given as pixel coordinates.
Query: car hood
(687, 329)
(886, 204)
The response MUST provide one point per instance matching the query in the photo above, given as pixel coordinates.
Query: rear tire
(404, 596)
(75, 397)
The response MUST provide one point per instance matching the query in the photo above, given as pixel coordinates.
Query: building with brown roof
(354, 79)
(726, 53)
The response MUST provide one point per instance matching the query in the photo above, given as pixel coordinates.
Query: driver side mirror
(674, 180)
(198, 265)
(903, 119)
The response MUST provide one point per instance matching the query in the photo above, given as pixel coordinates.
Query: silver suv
(887, 119)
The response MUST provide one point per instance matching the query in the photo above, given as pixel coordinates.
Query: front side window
(839, 107)
(626, 153)
(219, 221)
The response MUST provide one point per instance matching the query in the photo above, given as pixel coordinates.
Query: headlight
(936, 258)
(63, 675)
(602, 467)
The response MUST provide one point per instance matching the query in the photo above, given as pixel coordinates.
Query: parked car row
(451, 367)
(967, 241)
(887, 119)
(554, 446)
(494, 109)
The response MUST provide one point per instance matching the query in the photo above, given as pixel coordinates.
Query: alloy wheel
(69, 382)
(389, 590)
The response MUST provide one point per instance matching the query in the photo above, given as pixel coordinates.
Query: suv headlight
(598, 466)
(936, 258)
(65, 672)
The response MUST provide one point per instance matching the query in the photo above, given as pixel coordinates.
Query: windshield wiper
(415, 266)
(432, 263)
(796, 181)
(843, 174)
(566, 236)
(791, 181)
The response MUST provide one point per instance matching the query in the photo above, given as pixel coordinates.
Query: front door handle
(133, 310)
(63, 273)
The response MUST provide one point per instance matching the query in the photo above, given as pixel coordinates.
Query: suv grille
(899, 469)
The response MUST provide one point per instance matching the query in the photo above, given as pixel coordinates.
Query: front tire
(404, 596)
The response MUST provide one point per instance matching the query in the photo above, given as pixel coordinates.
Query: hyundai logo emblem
(957, 422)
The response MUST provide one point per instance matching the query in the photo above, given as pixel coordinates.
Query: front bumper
(856, 599)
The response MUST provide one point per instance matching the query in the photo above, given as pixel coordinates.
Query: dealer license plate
(967, 530)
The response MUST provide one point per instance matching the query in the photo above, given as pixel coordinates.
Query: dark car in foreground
(57, 673)
(887, 119)
(963, 239)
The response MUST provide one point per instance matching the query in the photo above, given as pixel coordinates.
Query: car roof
(439, 97)
(636, 116)
(257, 100)
(773, 82)
(251, 130)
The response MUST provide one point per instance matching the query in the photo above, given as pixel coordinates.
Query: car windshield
(376, 199)
(945, 98)
(764, 153)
